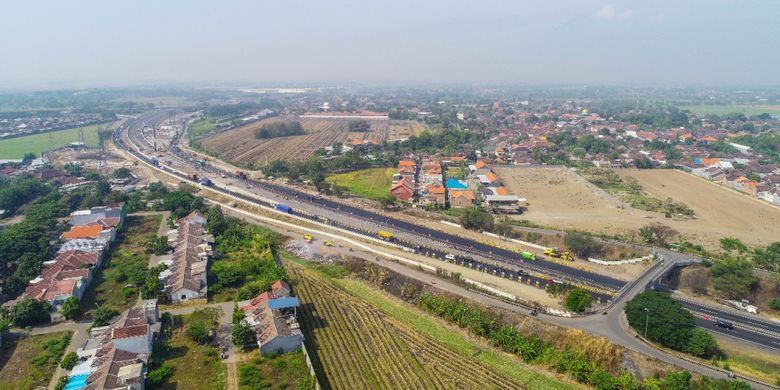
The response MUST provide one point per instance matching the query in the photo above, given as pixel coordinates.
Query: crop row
(360, 347)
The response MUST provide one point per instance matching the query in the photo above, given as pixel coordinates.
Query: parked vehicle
(449, 256)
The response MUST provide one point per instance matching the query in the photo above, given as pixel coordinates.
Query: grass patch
(456, 172)
(371, 183)
(188, 365)
(244, 265)
(15, 148)
(730, 109)
(443, 334)
(200, 127)
(750, 362)
(287, 371)
(30, 361)
(117, 281)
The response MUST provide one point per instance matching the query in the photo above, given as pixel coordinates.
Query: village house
(86, 217)
(403, 190)
(461, 198)
(478, 168)
(273, 317)
(434, 195)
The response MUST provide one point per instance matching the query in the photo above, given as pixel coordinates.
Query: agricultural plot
(240, 144)
(357, 346)
(15, 148)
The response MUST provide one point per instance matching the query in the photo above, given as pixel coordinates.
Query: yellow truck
(387, 236)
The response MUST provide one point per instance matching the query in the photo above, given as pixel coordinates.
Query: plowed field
(241, 146)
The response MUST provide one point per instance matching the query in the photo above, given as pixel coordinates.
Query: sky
(46, 44)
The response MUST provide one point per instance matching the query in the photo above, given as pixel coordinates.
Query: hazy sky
(58, 43)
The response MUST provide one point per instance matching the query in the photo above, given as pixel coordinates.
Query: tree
(476, 219)
(733, 277)
(774, 304)
(70, 308)
(122, 173)
(157, 245)
(242, 334)
(103, 315)
(503, 228)
(578, 300)
(198, 332)
(582, 244)
(666, 321)
(657, 234)
(701, 344)
(69, 361)
(643, 163)
(28, 312)
(28, 157)
(5, 327)
(677, 380)
(181, 203)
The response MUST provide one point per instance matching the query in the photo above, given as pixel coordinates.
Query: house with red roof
(273, 317)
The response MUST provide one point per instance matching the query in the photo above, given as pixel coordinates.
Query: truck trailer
(283, 208)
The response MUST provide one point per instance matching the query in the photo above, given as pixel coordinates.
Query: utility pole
(647, 318)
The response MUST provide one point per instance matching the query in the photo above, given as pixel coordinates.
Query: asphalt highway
(746, 326)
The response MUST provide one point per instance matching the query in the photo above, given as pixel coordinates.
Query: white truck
(743, 305)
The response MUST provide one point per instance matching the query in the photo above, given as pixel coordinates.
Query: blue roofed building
(273, 317)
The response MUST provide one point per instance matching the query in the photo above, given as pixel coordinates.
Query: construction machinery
(327, 243)
(387, 236)
(557, 253)
(308, 238)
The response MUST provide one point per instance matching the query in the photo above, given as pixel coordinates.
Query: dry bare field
(560, 198)
(241, 146)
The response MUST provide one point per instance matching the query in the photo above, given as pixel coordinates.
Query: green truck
(528, 255)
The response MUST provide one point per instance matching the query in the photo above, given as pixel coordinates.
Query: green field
(371, 183)
(29, 362)
(728, 109)
(15, 148)
(200, 127)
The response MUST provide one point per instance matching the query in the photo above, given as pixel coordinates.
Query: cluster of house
(493, 194)
(425, 185)
(273, 317)
(116, 356)
(185, 277)
(14, 127)
(763, 183)
(83, 247)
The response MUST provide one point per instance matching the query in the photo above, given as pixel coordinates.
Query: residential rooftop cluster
(81, 251)
(185, 278)
(116, 356)
(36, 122)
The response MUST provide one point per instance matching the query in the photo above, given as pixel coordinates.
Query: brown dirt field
(559, 198)
(241, 146)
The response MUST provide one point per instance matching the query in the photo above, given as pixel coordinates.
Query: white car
(450, 257)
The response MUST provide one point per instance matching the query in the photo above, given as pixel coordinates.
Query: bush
(774, 304)
(279, 129)
(733, 278)
(103, 315)
(61, 382)
(701, 344)
(69, 361)
(198, 332)
(578, 300)
(158, 376)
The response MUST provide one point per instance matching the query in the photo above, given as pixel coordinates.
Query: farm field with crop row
(358, 346)
(15, 148)
(240, 144)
